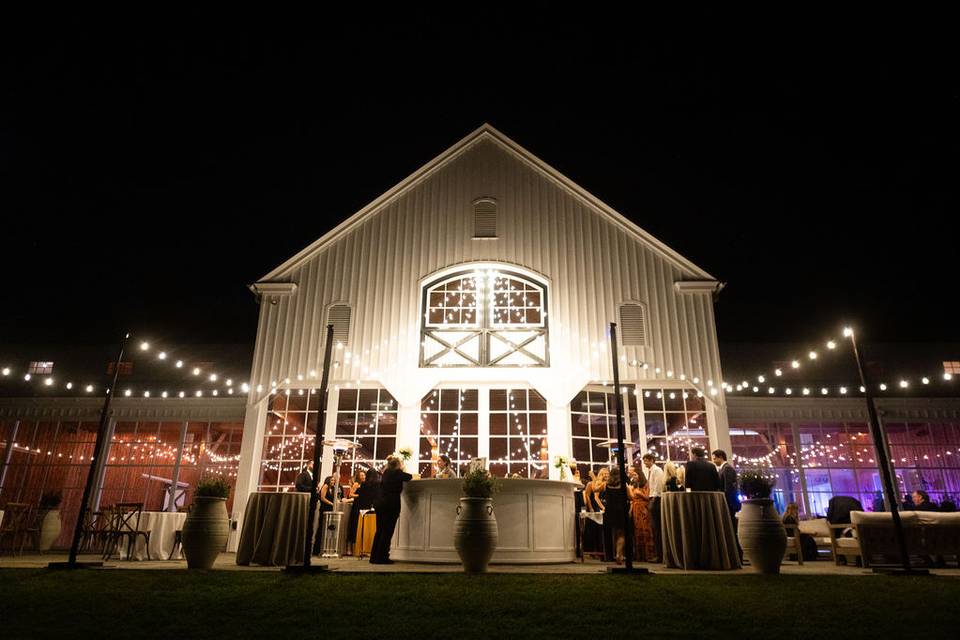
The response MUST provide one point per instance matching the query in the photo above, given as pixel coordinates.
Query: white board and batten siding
(591, 258)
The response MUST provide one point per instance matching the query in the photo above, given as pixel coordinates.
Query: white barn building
(471, 305)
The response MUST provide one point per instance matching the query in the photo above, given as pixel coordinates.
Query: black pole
(618, 402)
(97, 453)
(318, 446)
(883, 458)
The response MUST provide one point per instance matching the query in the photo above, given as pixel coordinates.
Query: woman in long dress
(643, 546)
(594, 499)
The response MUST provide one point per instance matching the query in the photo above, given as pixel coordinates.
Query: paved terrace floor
(227, 561)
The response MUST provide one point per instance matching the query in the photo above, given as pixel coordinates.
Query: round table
(274, 529)
(697, 532)
(163, 527)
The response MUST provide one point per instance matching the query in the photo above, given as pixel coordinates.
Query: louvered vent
(485, 218)
(633, 325)
(339, 317)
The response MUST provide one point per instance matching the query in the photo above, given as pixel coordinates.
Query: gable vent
(485, 218)
(339, 316)
(633, 325)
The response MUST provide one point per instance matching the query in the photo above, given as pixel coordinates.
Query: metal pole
(318, 445)
(618, 402)
(97, 454)
(883, 458)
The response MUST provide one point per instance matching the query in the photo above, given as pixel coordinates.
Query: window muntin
(41, 368)
(516, 303)
(593, 421)
(369, 418)
(484, 318)
(449, 421)
(675, 421)
(518, 434)
(453, 302)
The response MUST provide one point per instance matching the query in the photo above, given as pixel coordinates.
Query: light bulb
(89, 388)
(847, 332)
(144, 346)
(196, 371)
(162, 355)
(6, 371)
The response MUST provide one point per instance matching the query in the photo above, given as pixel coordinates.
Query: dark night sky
(810, 164)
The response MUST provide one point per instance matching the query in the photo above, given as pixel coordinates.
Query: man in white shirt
(654, 476)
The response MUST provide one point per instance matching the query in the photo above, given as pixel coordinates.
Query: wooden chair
(16, 521)
(95, 530)
(793, 542)
(178, 536)
(126, 525)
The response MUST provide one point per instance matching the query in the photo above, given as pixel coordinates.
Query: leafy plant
(213, 488)
(755, 486)
(51, 500)
(479, 484)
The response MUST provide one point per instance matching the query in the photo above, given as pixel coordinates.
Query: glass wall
(141, 463)
(369, 418)
(816, 460)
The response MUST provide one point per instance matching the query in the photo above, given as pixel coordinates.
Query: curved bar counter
(535, 521)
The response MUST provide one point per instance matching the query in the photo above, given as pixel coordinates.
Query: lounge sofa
(930, 536)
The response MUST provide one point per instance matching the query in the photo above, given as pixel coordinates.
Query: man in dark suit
(701, 475)
(921, 501)
(730, 485)
(304, 481)
(387, 507)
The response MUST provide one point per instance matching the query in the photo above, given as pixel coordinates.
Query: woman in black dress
(326, 504)
(388, 509)
(594, 498)
(364, 498)
(615, 515)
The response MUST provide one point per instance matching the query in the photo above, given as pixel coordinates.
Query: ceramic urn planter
(50, 529)
(762, 536)
(475, 535)
(205, 531)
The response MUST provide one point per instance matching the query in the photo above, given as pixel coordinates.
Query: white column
(248, 470)
(408, 433)
(719, 427)
(329, 427)
(558, 434)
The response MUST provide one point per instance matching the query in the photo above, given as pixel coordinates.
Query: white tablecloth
(162, 526)
(1, 516)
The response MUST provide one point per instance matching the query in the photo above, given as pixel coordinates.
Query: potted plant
(475, 535)
(206, 528)
(760, 530)
(50, 523)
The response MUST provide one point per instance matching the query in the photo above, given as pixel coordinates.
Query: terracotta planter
(205, 531)
(762, 535)
(475, 536)
(50, 529)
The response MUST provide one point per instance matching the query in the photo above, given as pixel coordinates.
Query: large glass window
(369, 418)
(675, 421)
(518, 434)
(593, 422)
(484, 318)
(448, 426)
(289, 437)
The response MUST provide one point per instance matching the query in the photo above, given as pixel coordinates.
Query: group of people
(646, 483)
(368, 489)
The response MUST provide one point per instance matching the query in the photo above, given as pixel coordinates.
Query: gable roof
(487, 132)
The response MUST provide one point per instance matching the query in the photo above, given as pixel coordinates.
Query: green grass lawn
(165, 604)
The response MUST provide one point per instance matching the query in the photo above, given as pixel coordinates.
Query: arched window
(487, 318)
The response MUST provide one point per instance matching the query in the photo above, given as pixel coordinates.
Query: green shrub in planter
(755, 486)
(213, 488)
(479, 484)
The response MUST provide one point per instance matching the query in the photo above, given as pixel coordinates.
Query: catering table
(163, 527)
(274, 529)
(696, 531)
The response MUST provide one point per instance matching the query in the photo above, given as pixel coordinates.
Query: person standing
(387, 507)
(326, 505)
(304, 481)
(654, 477)
(615, 514)
(700, 475)
(730, 486)
(445, 469)
(643, 548)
